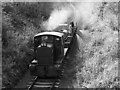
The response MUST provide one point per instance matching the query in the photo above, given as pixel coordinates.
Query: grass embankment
(16, 55)
(20, 22)
(100, 54)
(93, 60)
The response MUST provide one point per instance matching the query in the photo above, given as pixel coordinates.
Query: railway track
(50, 83)
(43, 84)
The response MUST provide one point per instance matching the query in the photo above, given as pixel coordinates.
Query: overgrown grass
(101, 63)
(20, 22)
(100, 57)
(17, 48)
(17, 56)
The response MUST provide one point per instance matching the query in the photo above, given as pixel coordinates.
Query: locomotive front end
(48, 52)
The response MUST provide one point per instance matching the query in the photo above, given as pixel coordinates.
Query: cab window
(46, 41)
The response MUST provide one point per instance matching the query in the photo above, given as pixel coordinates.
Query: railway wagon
(48, 54)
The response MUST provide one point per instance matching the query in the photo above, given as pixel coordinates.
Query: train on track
(49, 51)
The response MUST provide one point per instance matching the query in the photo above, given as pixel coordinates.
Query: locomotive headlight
(34, 61)
(57, 66)
(32, 67)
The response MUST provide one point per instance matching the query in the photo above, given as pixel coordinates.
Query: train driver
(71, 27)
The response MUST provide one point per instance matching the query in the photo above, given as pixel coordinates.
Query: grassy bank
(20, 22)
(100, 54)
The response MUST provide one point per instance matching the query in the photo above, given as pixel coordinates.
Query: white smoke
(57, 17)
(83, 13)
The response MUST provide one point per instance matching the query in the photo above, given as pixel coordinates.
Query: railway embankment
(73, 58)
(93, 63)
(18, 28)
(24, 81)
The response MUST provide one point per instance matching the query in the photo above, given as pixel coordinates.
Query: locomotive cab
(48, 51)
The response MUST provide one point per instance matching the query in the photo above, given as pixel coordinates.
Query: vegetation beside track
(94, 63)
(20, 22)
(101, 54)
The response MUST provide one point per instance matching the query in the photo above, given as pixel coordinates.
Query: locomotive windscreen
(44, 40)
(47, 49)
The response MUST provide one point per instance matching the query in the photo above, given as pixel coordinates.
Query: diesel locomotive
(49, 51)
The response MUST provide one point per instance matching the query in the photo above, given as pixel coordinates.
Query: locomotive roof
(50, 33)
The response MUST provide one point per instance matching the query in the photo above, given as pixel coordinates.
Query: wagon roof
(50, 33)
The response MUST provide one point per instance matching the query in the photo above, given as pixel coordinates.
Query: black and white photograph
(59, 45)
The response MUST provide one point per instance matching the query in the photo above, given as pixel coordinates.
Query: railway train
(49, 51)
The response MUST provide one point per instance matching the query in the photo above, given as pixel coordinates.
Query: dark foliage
(20, 22)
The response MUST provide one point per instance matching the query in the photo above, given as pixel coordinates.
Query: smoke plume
(57, 17)
(82, 13)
